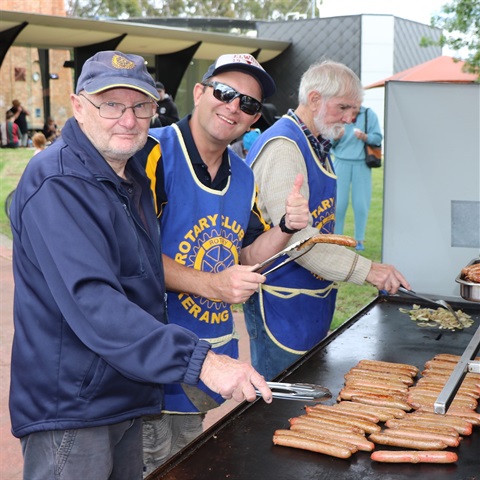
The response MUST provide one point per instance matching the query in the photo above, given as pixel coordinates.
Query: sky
(416, 10)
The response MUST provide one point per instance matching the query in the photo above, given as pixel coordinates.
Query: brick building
(20, 71)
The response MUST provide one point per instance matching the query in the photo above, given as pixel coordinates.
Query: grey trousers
(166, 434)
(112, 452)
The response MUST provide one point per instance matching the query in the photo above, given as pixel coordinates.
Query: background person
(294, 307)
(210, 224)
(9, 131)
(51, 130)
(20, 117)
(39, 142)
(242, 146)
(89, 307)
(353, 174)
(167, 110)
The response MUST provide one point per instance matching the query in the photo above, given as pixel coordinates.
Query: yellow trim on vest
(151, 168)
(223, 340)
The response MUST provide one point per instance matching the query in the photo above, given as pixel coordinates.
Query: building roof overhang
(56, 32)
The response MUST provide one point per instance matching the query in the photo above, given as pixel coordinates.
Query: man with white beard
(293, 309)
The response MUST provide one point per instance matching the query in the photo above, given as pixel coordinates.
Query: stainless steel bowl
(469, 290)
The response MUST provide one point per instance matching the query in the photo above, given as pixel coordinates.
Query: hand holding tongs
(442, 303)
(297, 246)
(298, 391)
(302, 247)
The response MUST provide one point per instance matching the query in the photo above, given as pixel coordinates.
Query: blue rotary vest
(297, 306)
(201, 228)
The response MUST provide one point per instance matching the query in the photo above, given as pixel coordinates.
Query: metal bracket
(465, 365)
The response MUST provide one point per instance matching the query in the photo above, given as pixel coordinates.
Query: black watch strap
(284, 228)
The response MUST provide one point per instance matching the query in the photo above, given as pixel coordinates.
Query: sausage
(412, 370)
(414, 443)
(438, 387)
(401, 388)
(316, 436)
(465, 429)
(437, 383)
(440, 430)
(382, 376)
(383, 413)
(411, 456)
(426, 427)
(330, 238)
(418, 392)
(301, 424)
(348, 392)
(312, 445)
(448, 357)
(365, 425)
(469, 378)
(352, 413)
(361, 442)
(469, 415)
(469, 382)
(450, 440)
(419, 401)
(321, 422)
(381, 401)
(370, 377)
(383, 370)
(443, 419)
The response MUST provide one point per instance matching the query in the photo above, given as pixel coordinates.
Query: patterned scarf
(320, 145)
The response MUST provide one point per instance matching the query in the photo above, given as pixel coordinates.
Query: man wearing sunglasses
(283, 328)
(212, 230)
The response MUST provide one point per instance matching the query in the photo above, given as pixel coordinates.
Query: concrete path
(10, 451)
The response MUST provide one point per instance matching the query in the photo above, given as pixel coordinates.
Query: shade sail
(440, 69)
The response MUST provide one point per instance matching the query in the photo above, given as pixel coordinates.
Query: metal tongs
(297, 246)
(298, 391)
(442, 303)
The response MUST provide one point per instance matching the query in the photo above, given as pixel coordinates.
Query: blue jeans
(267, 358)
(111, 452)
(356, 177)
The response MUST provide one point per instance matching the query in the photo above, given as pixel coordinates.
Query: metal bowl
(469, 290)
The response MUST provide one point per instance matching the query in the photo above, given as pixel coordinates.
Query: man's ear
(77, 107)
(198, 91)
(314, 100)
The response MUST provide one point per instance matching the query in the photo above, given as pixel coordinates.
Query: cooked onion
(441, 318)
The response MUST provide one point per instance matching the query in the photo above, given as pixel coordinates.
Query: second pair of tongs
(298, 391)
(442, 303)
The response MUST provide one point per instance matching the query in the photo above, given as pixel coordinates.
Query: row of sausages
(377, 392)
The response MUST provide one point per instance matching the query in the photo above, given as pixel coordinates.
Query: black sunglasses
(227, 94)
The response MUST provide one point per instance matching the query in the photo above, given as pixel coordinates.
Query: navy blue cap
(110, 69)
(246, 63)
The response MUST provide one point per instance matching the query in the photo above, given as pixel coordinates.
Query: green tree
(110, 8)
(460, 24)
(240, 9)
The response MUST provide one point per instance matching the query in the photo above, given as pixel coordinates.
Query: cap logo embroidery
(122, 63)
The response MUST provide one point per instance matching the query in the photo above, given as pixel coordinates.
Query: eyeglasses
(113, 110)
(227, 94)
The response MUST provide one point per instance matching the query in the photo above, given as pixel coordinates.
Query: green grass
(12, 164)
(351, 298)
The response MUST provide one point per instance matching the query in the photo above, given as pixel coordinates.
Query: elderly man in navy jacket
(92, 348)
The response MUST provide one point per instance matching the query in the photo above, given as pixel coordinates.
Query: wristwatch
(284, 228)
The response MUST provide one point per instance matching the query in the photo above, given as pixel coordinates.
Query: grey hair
(330, 79)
